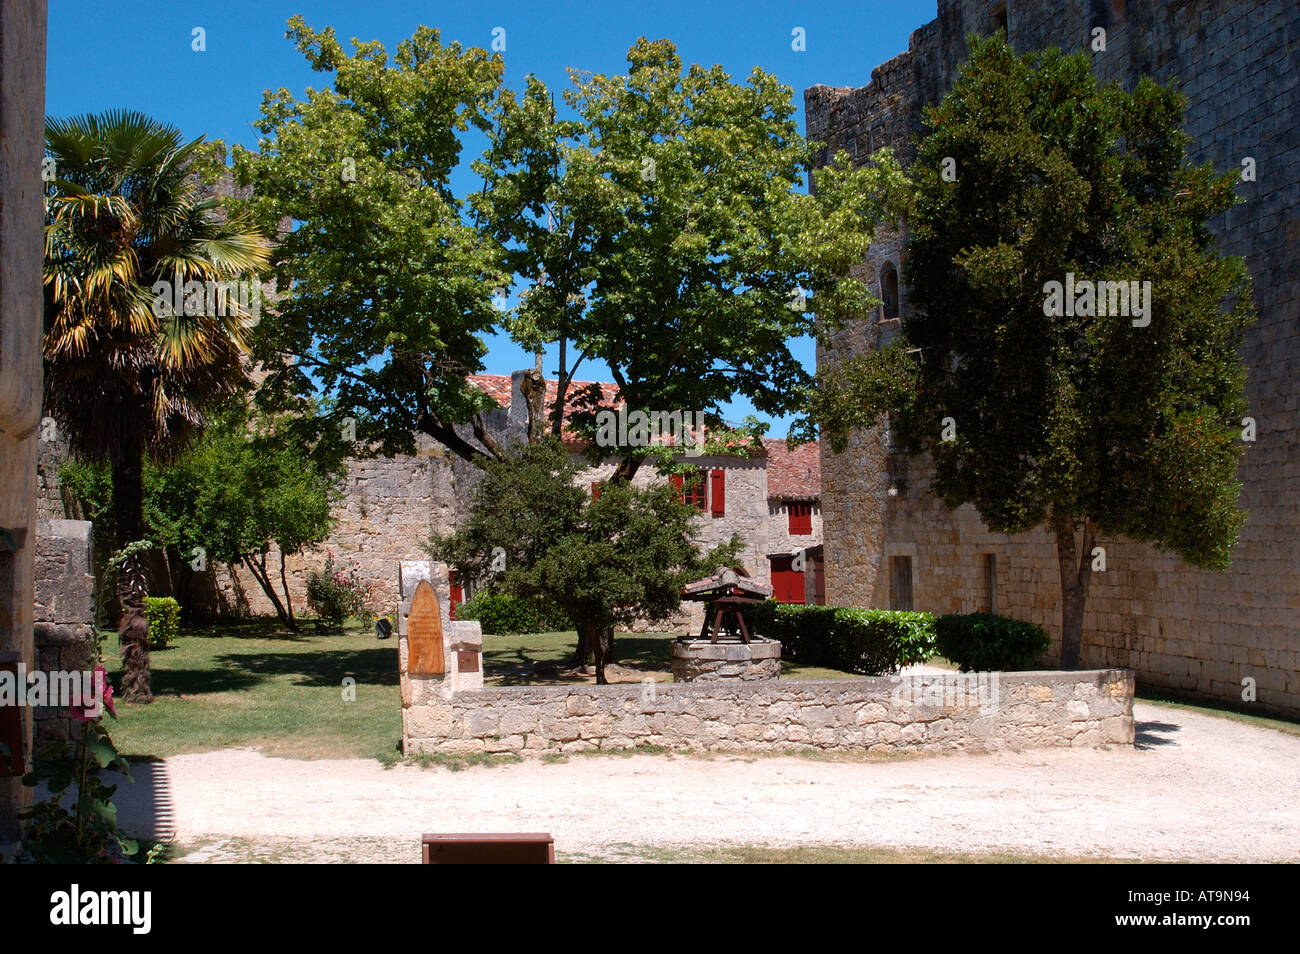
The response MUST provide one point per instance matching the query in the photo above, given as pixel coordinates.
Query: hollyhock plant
(102, 699)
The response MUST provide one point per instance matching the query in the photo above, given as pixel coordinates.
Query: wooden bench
(499, 848)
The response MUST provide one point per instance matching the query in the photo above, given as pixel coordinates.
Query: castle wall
(1197, 632)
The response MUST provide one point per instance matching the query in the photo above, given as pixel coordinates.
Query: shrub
(334, 595)
(164, 616)
(983, 642)
(868, 641)
(501, 614)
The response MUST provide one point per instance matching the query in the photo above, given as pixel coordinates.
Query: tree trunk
(288, 600)
(602, 643)
(582, 654)
(626, 470)
(1076, 575)
(264, 581)
(126, 461)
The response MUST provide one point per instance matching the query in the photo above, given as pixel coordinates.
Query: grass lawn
(537, 659)
(251, 683)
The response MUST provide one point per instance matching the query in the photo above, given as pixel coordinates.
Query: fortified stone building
(889, 543)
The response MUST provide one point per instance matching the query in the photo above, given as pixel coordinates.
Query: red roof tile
(793, 474)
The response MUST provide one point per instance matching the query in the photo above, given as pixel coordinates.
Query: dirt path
(1196, 787)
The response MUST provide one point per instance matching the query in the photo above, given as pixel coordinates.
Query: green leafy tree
(245, 488)
(666, 231)
(534, 533)
(124, 377)
(1083, 420)
(384, 288)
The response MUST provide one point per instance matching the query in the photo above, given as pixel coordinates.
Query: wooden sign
(424, 632)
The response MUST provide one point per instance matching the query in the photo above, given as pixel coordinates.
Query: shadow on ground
(1148, 735)
(323, 669)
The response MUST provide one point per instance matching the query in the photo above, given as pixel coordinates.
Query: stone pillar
(22, 121)
(462, 643)
(65, 613)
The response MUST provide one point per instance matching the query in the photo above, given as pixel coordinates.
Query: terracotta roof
(498, 387)
(793, 474)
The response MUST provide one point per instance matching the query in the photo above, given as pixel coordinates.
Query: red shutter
(595, 490)
(718, 492)
(678, 483)
(800, 519)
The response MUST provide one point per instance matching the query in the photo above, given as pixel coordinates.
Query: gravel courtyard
(1196, 787)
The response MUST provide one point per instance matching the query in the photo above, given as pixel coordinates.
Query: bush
(164, 616)
(868, 641)
(983, 642)
(502, 615)
(334, 595)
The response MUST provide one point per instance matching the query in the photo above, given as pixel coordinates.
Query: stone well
(699, 660)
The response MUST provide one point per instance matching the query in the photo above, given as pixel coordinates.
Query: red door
(787, 582)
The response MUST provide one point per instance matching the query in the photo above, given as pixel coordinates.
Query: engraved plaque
(424, 632)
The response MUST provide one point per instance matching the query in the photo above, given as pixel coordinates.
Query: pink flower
(103, 692)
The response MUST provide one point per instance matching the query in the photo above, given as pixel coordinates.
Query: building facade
(391, 506)
(1232, 636)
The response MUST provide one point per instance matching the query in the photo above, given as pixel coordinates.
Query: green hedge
(502, 615)
(982, 642)
(164, 616)
(868, 641)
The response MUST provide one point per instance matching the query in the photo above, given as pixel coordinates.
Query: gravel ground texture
(1195, 787)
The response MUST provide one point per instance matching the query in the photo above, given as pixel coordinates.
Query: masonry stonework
(1033, 710)
(1197, 632)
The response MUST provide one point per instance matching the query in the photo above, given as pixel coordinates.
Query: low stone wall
(938, 712)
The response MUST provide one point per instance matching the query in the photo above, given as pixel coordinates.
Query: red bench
(502, 848)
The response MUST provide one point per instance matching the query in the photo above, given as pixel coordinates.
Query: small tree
(245, 488)
(1041, 410)
(535, 533)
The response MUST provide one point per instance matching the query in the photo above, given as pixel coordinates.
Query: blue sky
(136, 54)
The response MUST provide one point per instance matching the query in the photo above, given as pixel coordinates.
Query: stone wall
(65, 613)
(1197, 632)
(883, 714)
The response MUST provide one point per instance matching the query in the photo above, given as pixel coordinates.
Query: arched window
(889, 291)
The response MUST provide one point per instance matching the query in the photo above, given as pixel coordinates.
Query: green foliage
(385, 288)
(335, 595)
(674, 208)
(504, 614)
(164, 616)
(1067, 417)
(86, 833)
(869, 641)
(983, 642)
(1135, 428)
(621, 556)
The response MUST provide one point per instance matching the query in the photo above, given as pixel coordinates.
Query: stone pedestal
(698, 660)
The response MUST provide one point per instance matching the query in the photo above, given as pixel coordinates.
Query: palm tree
(126, 372)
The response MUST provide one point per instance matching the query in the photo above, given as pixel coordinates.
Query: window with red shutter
(718, 492)
(800, 519)
(690, 489)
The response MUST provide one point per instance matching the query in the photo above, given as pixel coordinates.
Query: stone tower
(888, 542)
